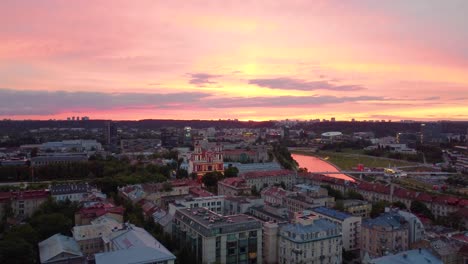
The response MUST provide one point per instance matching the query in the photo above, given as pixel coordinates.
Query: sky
(246, 60)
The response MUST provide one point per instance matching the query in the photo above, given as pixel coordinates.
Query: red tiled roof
(463, 203)
(374, 187)
(424, 197)
(405, 194)
(24, 195)
(260, 174)
(238, 152)
(274, 191)
(445, 200)
(235, 181)
(199, 192)
(4, 196)
(98, 210)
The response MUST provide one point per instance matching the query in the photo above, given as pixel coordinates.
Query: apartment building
(309, 240)
(262, 179)
(214, 238)
(358, 207)
(234, 186)
(385, 234)
(350, 226)
(23, 203)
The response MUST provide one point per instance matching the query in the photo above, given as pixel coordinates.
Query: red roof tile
(260, 174)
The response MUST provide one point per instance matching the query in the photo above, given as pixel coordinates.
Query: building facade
(214, 238)
(385, 234)
(310, 240)
(350, 226)
(206, 157)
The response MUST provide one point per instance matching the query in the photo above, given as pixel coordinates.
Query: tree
(24, 231)
(51, 224)
(181, 173)
(352, 194)
(332, 192)
(167, 187)
(210, 179)
(421, 208)
(339, 205)
(17, 250)
(378, 208)
(254, 191)
(231, 171)
(399, 205)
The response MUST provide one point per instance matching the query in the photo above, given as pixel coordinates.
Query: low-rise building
(85, 215)
(270, 213)
(262, 179)
(59, 249)
(240, 205)
(214, 238)
(358, 207)
(23, 203)
(350, 226)
(310, 240)
(74, 192)
(133, 244)
(212, 203)
(58, 159)
(90, 237)
(234, 186)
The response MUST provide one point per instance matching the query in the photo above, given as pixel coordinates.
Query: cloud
(202, 79)
(288, 101)
(29, 102)
(432, 98)
(298, 84)
(37, 102)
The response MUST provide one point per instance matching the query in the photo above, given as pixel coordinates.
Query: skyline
(255, 60)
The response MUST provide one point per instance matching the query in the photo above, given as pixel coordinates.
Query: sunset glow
(249, 60)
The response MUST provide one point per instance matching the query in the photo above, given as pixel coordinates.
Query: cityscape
(225, 132)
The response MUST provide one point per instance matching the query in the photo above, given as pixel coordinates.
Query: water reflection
(314, 164)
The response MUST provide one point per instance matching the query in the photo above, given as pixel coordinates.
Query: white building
(350, 225)
(74, 192)
(133, 245)
(310, 240)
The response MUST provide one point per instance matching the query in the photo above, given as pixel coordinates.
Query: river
(312, 164)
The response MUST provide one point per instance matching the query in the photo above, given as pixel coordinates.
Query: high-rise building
(187, 136)
(110, 134)
(214, 238)
(431, 133)
(170, 137)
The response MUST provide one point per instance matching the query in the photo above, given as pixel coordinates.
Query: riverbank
(348, 161)
(317, 164)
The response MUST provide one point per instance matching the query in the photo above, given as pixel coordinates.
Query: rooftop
(210, 222)
(319, 229)
(69, 188)
(332, 213)
(261, 174)
(134, 245)
(56, 245)
(386, 220)
(414, 256)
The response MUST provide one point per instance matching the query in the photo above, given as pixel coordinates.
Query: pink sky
(255, 60)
